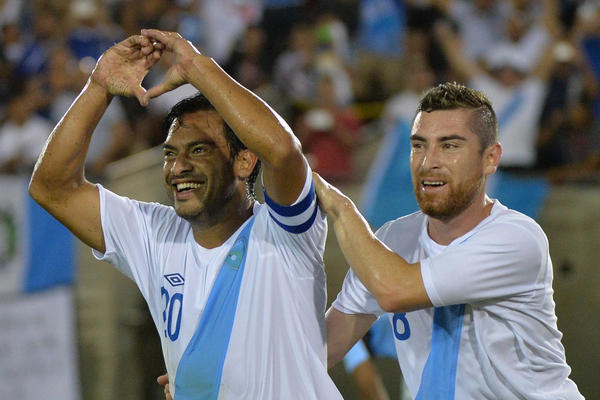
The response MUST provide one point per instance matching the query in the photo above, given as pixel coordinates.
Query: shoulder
(513, 220)
(154, 213)
(514, 229)
(411, 222)
(402, 234)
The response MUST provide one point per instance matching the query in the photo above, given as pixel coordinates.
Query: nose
(429, 158)
(180, 165)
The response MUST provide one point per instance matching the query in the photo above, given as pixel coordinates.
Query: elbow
(389, 304)
(35, 188)
(46, 191)
(394, 299)
(387, 293)
(399, 303)
(285, 152)
(39, 192)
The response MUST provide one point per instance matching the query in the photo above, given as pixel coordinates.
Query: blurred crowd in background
(341, 72)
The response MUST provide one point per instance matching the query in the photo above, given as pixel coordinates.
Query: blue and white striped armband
(298, 217)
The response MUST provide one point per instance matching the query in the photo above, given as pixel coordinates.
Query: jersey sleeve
(125, 225)
(354, 298)
(298, 232)
(506, 259)
(300, 216)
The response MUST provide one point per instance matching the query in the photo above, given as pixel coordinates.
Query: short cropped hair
(451, 96)
(199, 102)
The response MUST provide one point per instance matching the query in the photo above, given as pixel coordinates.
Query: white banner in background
(37, 347)
(12, 224)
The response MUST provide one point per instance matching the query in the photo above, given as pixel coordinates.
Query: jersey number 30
(172, 313)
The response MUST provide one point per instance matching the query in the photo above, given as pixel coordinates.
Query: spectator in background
(378, 48)
(568, 110)
(247, 63)
(225, 22)
(330, 134)
(416, 76)
(516, 91)
(576, 139)
(91, 32)
(297, 69)
(481, 23)
(113, 138)
(24, 132)
(25, 55)
(278, 19)
(10, 12)
(586, 33)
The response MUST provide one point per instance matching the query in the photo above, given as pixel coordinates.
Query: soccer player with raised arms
(236, 289)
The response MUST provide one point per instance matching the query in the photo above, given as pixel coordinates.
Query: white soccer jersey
(277, 348)
(508, 342)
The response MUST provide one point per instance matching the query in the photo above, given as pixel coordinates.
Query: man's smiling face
(198, 167)
(446, 162)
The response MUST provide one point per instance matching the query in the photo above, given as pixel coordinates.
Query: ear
(244, 164)
(491, 158)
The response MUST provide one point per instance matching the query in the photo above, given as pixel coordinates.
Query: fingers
(140, 42)
(154, 92)
(163, 379)
(140, 94)
(320, 183)
(163, 38)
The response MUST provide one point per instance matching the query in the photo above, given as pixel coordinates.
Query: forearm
(343, 331)
(256, 124)
(60, 167)
(451, 46)
(396, 284)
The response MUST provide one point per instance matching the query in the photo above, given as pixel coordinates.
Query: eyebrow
(167, 146)
(440, 139)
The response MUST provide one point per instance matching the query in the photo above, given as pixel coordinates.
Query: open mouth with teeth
(187, 186)
(431, 183)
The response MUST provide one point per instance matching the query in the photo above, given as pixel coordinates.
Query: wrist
(95, 88)
(201, 65)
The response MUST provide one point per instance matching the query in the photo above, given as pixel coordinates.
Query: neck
(445, 231)
(213, 234)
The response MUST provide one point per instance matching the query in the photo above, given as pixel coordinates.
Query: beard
(455, 202)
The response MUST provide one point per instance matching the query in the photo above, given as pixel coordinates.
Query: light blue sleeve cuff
(357, 355)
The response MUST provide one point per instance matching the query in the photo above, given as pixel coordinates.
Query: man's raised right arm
(58, 182)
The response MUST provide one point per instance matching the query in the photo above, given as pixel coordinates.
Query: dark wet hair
(451, 96)
(199, 102)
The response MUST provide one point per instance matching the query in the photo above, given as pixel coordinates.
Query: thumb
(140, 94)
(156, 91)
(163, 379)
(320, 183)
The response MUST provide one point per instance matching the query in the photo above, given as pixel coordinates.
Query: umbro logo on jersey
(175, 279)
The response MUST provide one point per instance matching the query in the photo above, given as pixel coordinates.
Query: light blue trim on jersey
(510, 109)
(357, 355)
(201, 365)
(438, 380)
